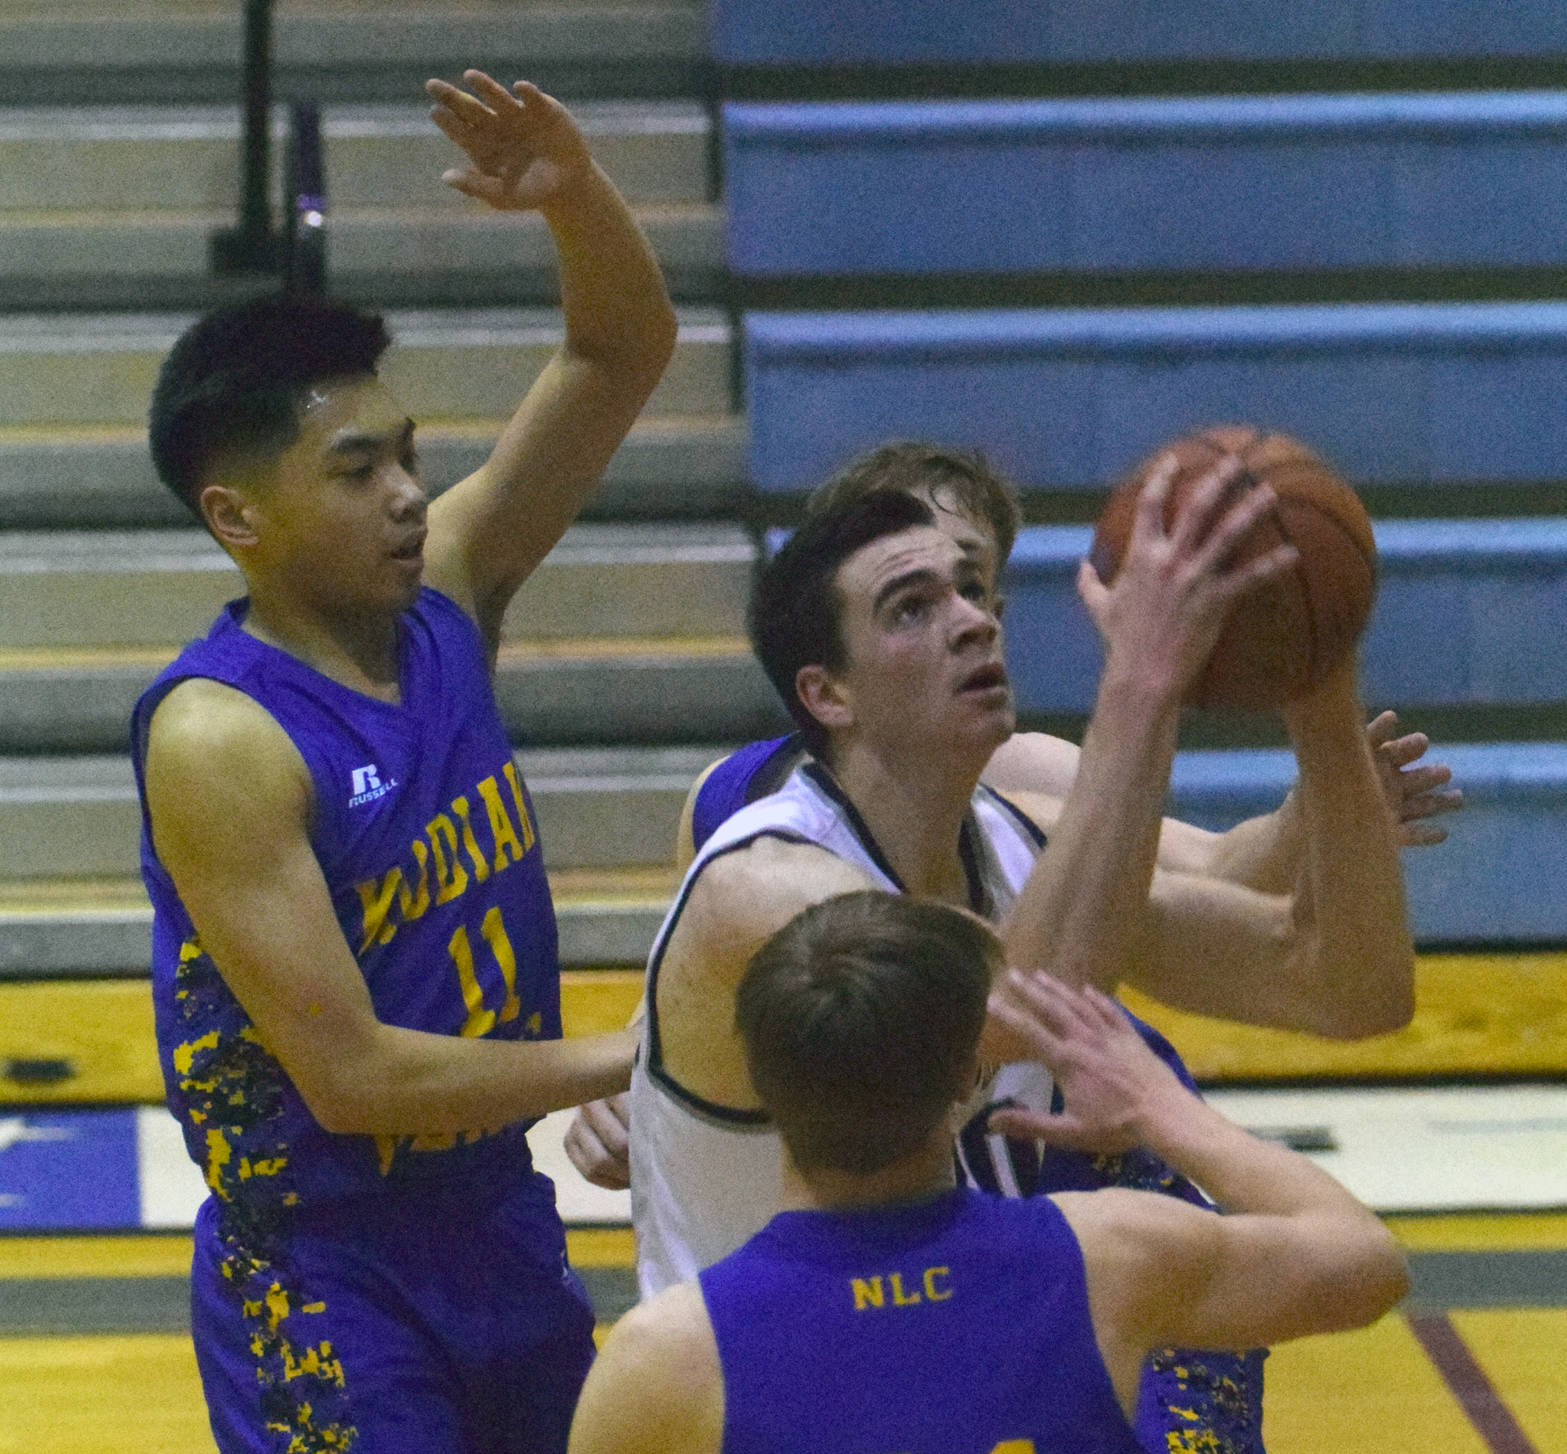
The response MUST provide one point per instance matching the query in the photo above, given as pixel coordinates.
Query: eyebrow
(919, 576)
(351, 443)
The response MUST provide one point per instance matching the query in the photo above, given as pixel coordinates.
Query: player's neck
(917, 1178)
(357, 650)
(916, 817)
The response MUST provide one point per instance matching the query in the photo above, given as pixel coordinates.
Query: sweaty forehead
(920, 548)
(340, 409)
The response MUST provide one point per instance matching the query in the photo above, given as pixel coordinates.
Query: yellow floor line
(136, 1256)
(1519, 1232)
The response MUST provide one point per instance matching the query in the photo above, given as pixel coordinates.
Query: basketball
(1287, 635)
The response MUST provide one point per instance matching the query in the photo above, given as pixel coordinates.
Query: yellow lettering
(494, 930)
(901, 1299)
(376, 899)
(501, 830)
(1014, 1446)
(414, 904)
(480, 1020)
(515, 784)
(481, 869)
(931, 1274)
(451, 877)
(866, 1294)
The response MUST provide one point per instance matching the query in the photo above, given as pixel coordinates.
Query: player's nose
(973, 620)
(407, 498)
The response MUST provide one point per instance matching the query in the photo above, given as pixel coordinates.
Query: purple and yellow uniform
(958, 1325)
(1207, 1401)
(371, 1291)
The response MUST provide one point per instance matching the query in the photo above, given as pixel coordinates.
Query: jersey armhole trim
(1035, 833)
(728, 1115)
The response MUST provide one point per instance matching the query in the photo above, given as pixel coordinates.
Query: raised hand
(523, 146)
(1175, 587)
(1109, 1080)
(1415, 791)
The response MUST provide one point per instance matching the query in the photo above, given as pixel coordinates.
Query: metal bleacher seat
(1233, 184)
(1068, 32)
(1404, 393)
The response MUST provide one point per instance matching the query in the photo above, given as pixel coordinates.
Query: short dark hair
(795, 607)
(960, 480)
(860, 1019)
(234, 382)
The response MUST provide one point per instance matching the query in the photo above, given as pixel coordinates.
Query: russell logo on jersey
(368, 785)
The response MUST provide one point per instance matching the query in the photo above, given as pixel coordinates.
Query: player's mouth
(991, 677)
(410, 551)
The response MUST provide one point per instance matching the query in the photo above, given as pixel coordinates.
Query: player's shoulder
(202, 717)
(773, 873)
(1032, 762)
(669, 1324)
(207, 739)
(657, 1383)
(738, 898)
(1137, 1238)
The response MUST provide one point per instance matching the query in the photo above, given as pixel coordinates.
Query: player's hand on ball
(1416, 791)
(1176, 586)
(523, 147)
(1109, 1080)
(598, 1142)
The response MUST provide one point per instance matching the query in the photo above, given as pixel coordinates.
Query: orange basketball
(1286, 636)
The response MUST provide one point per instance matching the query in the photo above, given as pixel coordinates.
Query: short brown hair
(958, 480)
(860, 1019)
(796, 609)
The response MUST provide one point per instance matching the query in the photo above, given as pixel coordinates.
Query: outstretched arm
(525, 153)
(1297, 1254)
(1334, 955)
(1264, 852)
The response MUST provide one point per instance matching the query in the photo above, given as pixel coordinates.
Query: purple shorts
(434, 1325)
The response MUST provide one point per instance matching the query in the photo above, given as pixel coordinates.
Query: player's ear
(824, 697)
(228, 512)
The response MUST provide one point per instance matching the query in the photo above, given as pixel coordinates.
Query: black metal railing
(296, 253)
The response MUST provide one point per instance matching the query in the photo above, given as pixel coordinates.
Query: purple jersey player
(355, 968)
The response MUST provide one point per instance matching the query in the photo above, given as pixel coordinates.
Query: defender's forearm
(616, 307)
(409, 1083)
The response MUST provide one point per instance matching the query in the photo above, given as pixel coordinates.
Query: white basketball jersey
(705, 1177)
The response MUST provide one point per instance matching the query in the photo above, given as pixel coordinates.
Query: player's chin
(988, 714)
(405, 581)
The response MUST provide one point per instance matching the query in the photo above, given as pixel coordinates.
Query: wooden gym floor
(94, 1358)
